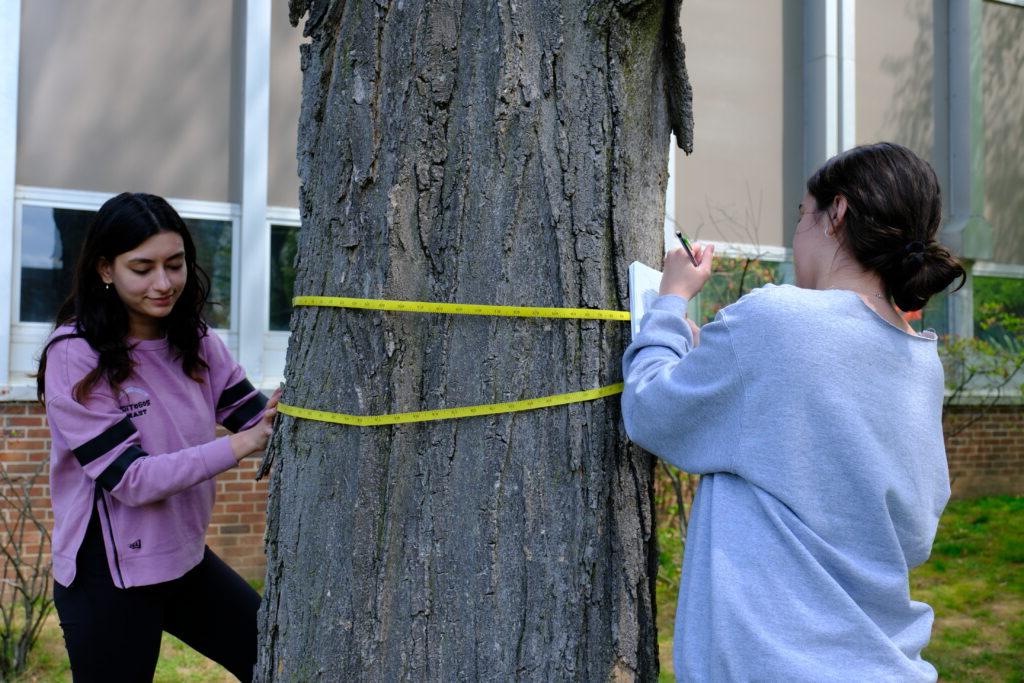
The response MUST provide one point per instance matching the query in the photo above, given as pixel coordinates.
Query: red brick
(25, 445)
(26, 421)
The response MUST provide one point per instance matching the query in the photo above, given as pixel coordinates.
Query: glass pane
(934, 316)
(999, 309)
(52, 238)
(283, 247)
(213, 252)
(733, 278)
(50, 242)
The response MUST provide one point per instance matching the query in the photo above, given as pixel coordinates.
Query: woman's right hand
(680, 277)
(255, 439)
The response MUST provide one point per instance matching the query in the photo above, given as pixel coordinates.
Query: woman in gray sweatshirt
(815, 415)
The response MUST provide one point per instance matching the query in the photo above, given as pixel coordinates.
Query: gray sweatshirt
(818, 428)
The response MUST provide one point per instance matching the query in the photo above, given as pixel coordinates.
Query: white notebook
(644, 283)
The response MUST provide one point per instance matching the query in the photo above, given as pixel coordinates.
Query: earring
(106, 286)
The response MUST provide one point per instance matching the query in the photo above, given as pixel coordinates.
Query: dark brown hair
(98, 314)
(894, 212)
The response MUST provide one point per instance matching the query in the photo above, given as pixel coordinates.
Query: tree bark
(472, 152)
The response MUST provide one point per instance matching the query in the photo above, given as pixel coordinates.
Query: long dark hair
(98, 314)
(894, 211)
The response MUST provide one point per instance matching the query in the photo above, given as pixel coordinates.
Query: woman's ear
(837, 212)
(105, 271)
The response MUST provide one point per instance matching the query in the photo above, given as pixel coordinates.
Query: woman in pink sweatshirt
(134, 385)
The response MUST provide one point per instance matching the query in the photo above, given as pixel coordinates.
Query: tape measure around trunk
(455, 309)
(451, 413)
(461, 309)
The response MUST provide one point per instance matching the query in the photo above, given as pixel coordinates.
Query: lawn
(974, 581)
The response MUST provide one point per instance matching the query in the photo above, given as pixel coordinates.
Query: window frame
(275, 342)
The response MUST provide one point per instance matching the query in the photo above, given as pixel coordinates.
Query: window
(934, 316)
(740, 268)
(52, 237)
(283, 247)
(213, 252)
(50, 243)
(999, 310)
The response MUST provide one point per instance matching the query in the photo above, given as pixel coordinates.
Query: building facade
(198, 101)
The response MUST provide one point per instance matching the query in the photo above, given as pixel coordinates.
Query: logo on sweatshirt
(136, 402)
(136, 544)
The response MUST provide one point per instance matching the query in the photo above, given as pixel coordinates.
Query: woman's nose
(163, 281)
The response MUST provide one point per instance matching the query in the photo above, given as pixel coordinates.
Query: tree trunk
(496, 153)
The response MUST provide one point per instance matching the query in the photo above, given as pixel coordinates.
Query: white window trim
(275, 342)
(19, 386)
(992, 269)
(10, 38)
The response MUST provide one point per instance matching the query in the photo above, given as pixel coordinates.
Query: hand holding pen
(686, 246)
(687, 269)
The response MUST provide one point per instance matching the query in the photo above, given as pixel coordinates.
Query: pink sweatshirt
(146, 457)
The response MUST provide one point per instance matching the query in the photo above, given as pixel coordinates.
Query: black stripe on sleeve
(105, 442)
(235, 393)
(245, 412)
(112, 476)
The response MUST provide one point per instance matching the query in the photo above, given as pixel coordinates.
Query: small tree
(989, 367)
(25, 580)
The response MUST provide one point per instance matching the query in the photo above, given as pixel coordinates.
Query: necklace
(877, 296)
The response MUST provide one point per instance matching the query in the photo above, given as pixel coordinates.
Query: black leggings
(113, 634)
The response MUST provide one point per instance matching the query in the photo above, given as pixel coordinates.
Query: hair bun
(913, 256)
(927, 270)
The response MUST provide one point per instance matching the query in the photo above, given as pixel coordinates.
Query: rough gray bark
(473, 152)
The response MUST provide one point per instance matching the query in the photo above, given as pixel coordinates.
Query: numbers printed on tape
(456, 309)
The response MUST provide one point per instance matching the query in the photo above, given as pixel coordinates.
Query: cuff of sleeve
(220, 457)
(670, 303)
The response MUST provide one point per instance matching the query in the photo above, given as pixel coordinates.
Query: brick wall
(237, 525)
(985, 451)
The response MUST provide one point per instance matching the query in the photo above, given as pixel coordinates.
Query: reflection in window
(213, 252)
(51, 239)
(50, 242)
(934, 316)
(999, 310)
(283, 246)
(732, 278)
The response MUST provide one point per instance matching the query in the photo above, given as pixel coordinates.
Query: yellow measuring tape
(451, 413)
(461, 309)
(456, 309)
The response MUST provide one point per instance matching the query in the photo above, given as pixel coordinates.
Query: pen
(686, 246)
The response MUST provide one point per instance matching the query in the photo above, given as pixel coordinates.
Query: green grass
(974, 581)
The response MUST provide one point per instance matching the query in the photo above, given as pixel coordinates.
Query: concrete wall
(895, 70)
(285, 97)
(129, 96)
(1003, 95)
(743, 181)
